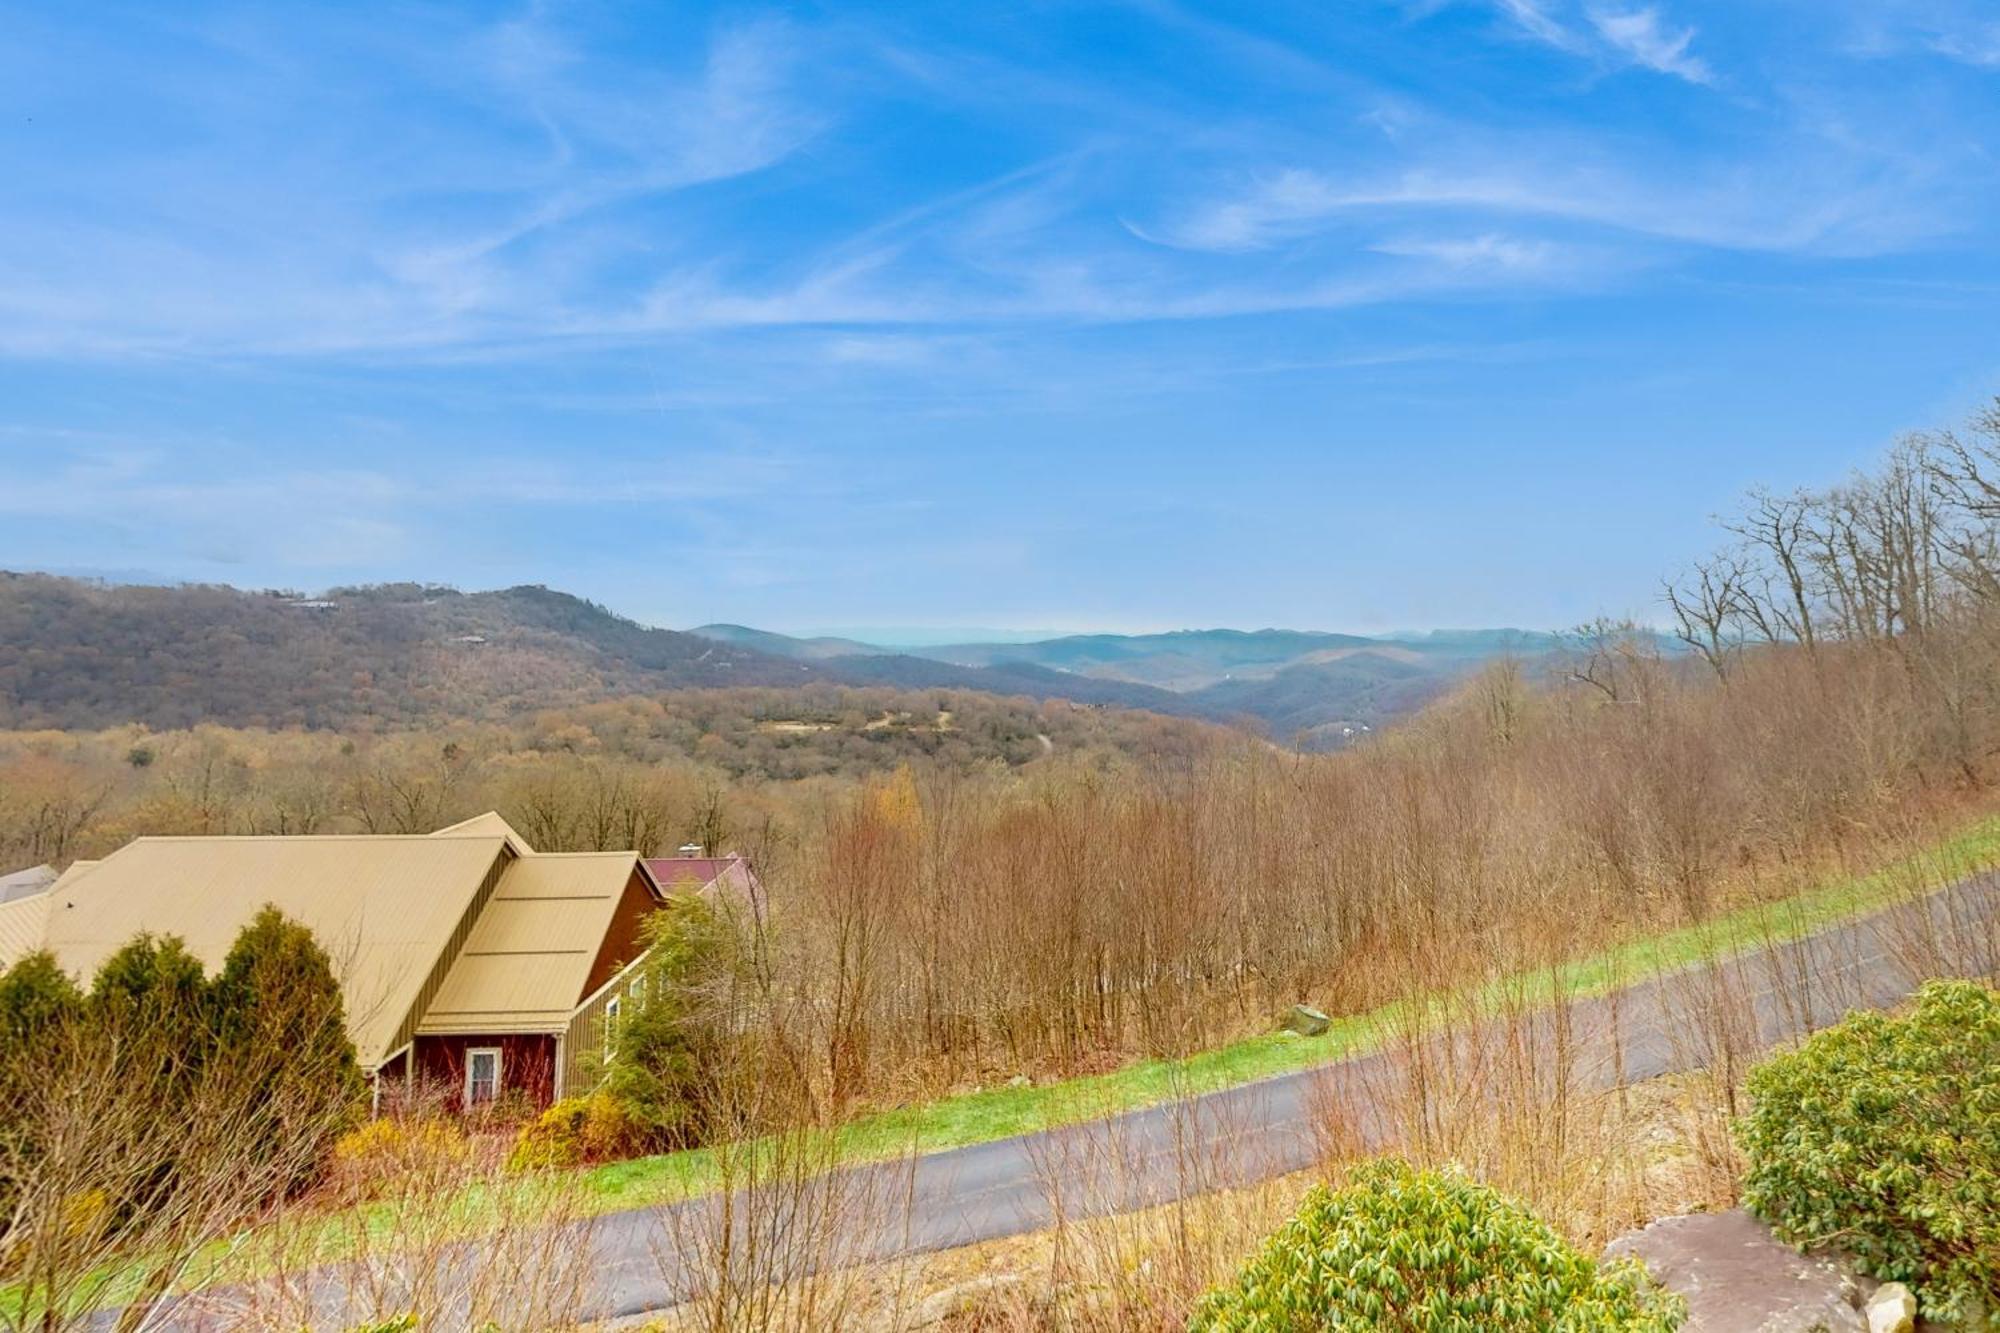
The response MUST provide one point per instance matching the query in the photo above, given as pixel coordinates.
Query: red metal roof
(671, 870)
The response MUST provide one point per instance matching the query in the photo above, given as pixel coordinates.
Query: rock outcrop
(1893, 1309)
(1739, 1278)
(1307, 1021)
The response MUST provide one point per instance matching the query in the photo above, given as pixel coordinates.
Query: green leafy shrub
(1882, 1135)
(574, 1131)
(1401, 1250)
(669, 1040)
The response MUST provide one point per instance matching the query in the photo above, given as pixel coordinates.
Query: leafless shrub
(442, 1231)
(779, 1242)
(1147, 1211)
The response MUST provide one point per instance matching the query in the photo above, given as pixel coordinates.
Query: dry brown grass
(1144, 1269)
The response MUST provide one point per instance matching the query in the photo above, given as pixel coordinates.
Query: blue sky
(1336, 315)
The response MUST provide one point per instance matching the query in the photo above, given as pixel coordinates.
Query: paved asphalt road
(641, 1260)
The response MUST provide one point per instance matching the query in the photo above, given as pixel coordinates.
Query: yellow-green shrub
(386, 1147)
(1401, 1250)
(574, 1131)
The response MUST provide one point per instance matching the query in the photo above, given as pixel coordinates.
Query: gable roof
(385, 909)
(674, 874)
(26, 883)
(488, 825)
(671, 870)
(77, 869)
(524, 967)
(22, 923)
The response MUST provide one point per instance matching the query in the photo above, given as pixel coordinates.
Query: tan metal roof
(26, 883)
(524, 967)
(77, 870)
(384, 908)
(488, 825)
(21, 925)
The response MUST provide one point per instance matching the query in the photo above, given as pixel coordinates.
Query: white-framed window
(611, 1008)
(638, 991)
(482, 1075)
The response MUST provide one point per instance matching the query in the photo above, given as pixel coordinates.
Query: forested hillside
(723, 767)
(78, 655)
(81, 655)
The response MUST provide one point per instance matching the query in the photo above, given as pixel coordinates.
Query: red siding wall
(527, 1064)
(621, 938)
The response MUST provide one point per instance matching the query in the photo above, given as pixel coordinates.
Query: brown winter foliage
(644, 772)
(1140, 891)
(83, 655)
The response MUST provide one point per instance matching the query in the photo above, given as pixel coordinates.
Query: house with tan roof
(464, 956)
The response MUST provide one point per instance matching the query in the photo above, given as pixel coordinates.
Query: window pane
(482, 1084)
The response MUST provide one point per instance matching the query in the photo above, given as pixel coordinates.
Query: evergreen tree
(151, 999)
(281, 1029)
(38, 1001)
(668, 1037)
(35, 996)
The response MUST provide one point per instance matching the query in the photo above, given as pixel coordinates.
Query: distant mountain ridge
(1315, 687)
(78, 654)
(784, 645)
(83, 654)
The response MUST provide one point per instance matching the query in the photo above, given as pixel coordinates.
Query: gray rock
(966, 1297)
(1739, 1278)
(1892, 1309)
(1307, 1021)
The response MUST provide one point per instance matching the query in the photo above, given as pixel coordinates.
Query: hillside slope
(76, 655)
(79, 655)
(1325, 704)
(1037, 682)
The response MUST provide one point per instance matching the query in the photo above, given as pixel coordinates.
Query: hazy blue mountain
(1325, 704)
(77, 653)
(1040, 682)
(784, 645)
(1315, 688)
(1181, 660)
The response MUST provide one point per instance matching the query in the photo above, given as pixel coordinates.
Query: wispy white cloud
(354, 517)
(1535, 20)
(1646, 39)
(483, 220)
(1973, 45)
(595, 198)
(1830, 186)
(1492, 251)
(1614, 36)
(1964, 31)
